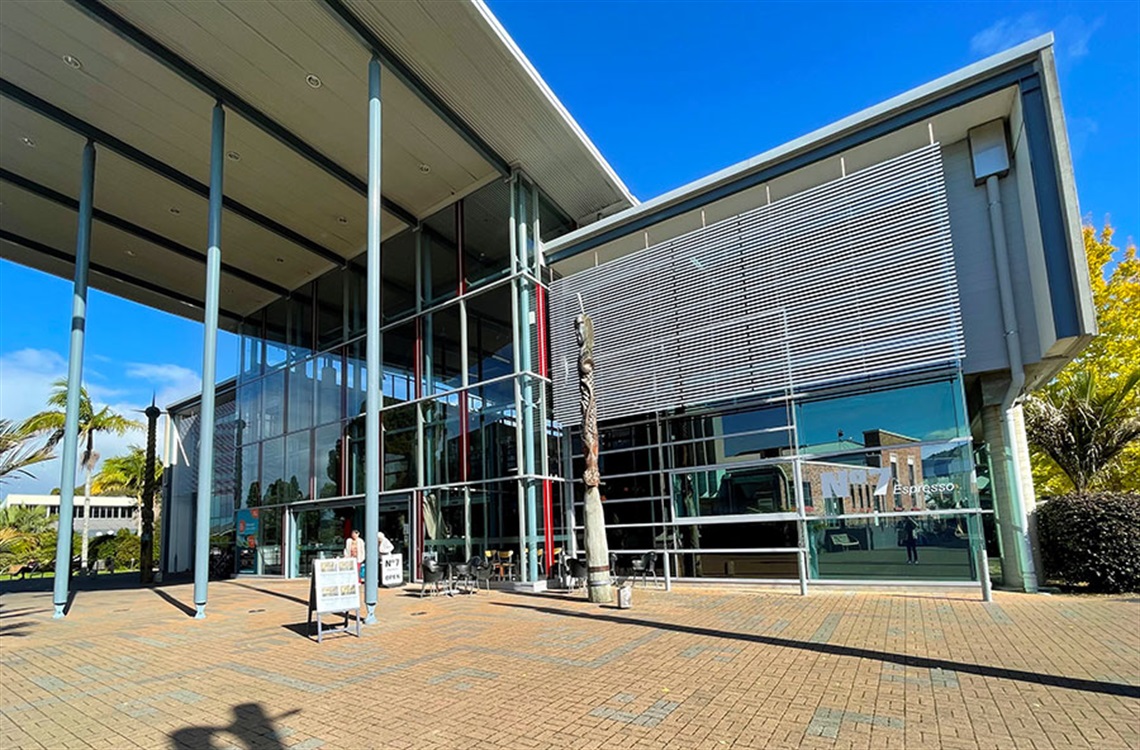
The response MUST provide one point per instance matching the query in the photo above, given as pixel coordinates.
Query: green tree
(50, 422)
(1101, 370)
(125, 475)
(18, 451)
(1083, 424)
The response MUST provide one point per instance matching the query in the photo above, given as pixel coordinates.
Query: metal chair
(507, 565)
(646, 566)
(577, 572)
(480, 572)
(434, 574)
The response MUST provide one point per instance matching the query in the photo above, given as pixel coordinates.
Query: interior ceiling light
(424, 168)
(175, 210)
(72, 62)
(131, 253)
(28, 142)
(313, 81)
(233, 156)
(280, 260)
(342, 220)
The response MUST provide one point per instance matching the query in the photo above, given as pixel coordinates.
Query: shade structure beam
(233, 101)
(114, 274)
(74, 384)
(373, 362)
(143, 159)
(408, 77)
(209, 364)
(141, 232)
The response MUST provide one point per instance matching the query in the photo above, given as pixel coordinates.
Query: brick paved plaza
(698, 667)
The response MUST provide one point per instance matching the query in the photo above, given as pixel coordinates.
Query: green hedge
(1092, 540)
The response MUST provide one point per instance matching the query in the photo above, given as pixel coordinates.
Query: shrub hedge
(1093, 540)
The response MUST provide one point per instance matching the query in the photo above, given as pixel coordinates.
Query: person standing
(354, 547)
(910, 540)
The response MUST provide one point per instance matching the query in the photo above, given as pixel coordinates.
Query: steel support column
(74, 382)
(373, 364)
(209, 363)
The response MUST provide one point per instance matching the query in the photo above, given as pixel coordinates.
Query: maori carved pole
(146, 538)
(597, 550)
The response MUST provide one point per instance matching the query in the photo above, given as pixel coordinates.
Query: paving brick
(693, 668)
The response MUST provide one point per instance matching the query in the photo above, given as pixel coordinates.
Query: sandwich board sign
(334, 587)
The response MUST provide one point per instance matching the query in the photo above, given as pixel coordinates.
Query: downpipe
(1017, 382)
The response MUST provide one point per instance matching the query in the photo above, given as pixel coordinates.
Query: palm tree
(17, 452)
(125, 475)
(51, 423)
(1084, 424)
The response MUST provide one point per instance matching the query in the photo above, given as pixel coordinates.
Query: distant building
(108, 514)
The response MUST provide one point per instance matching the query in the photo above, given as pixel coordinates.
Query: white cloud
(169, 382)
(1005, 33)
(1072, 36)
(26, 381)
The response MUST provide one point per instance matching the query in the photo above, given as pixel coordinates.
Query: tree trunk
(146, 510)
(600, 589)
(86, 519)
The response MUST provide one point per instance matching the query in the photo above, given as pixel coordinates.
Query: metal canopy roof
(460, 104)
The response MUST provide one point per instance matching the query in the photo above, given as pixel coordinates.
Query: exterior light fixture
(280, 260)
(233, 156)
(342, 220)
(175, 210)
(130, 253)
(72, 62)
(313, 81)
(28, 142)
(424, 168)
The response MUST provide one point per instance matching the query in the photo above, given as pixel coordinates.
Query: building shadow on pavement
(268, 591)
(907, 660)
(251, 726)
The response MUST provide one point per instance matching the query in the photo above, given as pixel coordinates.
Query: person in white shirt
(354, 547)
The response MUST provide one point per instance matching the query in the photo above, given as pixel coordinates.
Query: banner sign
(391, 570)
(336, 585)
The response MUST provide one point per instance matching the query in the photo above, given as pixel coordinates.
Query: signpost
(334, 587)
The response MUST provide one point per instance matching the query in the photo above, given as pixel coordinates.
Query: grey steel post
(209, 363)
(74, 382)
(372, 352)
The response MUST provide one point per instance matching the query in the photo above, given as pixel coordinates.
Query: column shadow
(1038, 678)
(181, 606)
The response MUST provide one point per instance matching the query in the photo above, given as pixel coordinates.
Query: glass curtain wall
(874, 484)
(465, 394)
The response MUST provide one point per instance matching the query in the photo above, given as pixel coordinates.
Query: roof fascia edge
(972, 82)
(509, 43)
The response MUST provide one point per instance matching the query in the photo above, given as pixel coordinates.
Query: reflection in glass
(922, 547)
(327, 459)
(328, 369)
(930, 411)
(486, 233)
(490, 352)
(440, 256)
(300, 416)
(748, 490)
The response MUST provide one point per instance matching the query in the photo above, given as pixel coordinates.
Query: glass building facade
(868, 482)
(464, 384)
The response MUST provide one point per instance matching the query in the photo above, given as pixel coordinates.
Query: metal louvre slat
(734, 308)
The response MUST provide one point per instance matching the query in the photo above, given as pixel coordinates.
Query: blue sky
(669, 92)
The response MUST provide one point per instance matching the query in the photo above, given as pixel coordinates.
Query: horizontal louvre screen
(850, 279)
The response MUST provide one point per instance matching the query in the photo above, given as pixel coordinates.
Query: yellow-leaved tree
(1110, 357)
